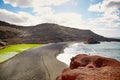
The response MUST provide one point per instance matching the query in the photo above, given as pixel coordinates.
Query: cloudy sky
(100, 16)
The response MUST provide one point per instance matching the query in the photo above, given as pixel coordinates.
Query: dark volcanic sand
(35, 64)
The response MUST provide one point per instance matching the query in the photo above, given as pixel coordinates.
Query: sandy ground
(34, 64)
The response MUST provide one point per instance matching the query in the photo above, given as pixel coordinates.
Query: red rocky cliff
(85, 67)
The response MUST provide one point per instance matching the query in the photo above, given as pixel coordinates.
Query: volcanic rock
(85, 67)
(2, 44)
(91, 41)
(45, 33)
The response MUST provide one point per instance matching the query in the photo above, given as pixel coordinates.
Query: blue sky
(100, 16)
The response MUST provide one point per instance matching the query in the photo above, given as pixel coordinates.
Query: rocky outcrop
(91, 41)
(2, 44)
(84, 67)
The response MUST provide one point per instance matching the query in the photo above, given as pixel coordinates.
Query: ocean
(105, 49)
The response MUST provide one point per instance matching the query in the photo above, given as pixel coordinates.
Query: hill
(45, 33)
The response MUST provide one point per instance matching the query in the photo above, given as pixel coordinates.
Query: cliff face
(84, 67)
(45, 33)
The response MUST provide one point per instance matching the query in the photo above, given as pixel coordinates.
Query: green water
(12, 50)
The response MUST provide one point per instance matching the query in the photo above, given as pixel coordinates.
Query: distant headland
(45, 33)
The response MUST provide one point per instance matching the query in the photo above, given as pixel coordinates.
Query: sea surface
(106, 49)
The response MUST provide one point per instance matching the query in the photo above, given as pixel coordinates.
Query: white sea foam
(69, 52)
(106, 49)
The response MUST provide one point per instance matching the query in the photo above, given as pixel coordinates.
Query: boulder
(91, 41)
(2, 43)
(85, 67)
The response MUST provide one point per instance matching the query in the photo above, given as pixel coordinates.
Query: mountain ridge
(45, 33)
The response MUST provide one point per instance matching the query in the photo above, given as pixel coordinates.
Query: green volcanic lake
(12, 50)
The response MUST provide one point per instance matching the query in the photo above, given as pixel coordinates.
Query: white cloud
(21, 3)
(40, 7)
(28, 19)
(73, 3)
(10, 16)
(115, 3)
(106, 5)
(68, 19)
(20, 18)
(110, 11)
(96, 8)
(108, 23)
(43, 10)
(48, 2)
(32, 3)
(23, 18)
(107, 32)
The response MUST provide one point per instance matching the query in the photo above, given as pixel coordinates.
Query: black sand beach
(34, 64)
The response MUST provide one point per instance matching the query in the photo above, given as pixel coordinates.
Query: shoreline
(37, 63)
(65, 57)
(80, 48)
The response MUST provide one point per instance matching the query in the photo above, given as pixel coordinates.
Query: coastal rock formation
(2, 44)
(84, 67)
(91, 41)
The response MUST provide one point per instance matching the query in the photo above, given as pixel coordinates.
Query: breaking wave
(106, 49)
